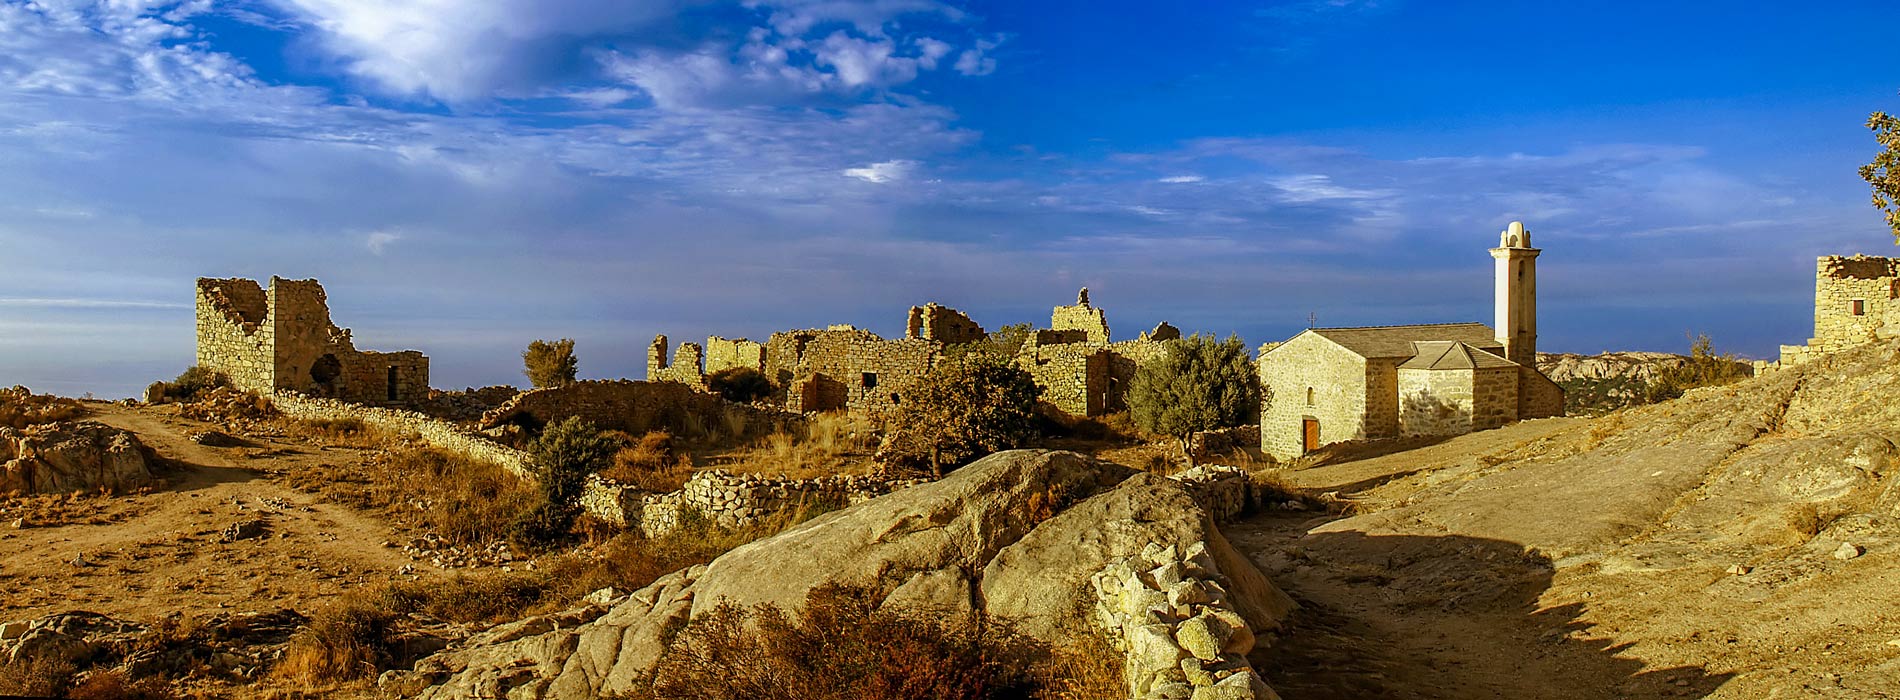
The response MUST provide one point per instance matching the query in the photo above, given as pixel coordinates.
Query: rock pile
(77, 456)
(1168, 612)
(727, 499)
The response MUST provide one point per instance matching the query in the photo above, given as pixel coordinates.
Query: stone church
(1329, 385)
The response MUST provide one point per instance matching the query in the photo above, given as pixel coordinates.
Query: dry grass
(115, 684)
(840, 645)
(97, 507)
(350, 432)
(20, 408)
(465, 501)
(832, 443)
(37, 676)
(651, 462)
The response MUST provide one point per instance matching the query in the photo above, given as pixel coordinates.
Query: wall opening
(325, 370)
(1309, 396)
(392, 382)
(1309, 434)
(870, 380)
(1857, 307)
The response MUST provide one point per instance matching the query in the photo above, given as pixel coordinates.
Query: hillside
(1739, 542)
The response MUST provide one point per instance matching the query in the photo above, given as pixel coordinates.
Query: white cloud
(1181, 179)
(882, 173)
(379, 241)
(974, 62)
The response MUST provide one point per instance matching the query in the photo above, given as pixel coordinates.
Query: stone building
(1329, 385)
(281, 337)
(1856, 301)
(1080, 368)
(837, 368)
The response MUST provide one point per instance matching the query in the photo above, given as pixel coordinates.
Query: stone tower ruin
(281, 338)
(1516, 296)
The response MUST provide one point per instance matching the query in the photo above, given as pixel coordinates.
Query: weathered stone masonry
(1856, 301)
(281, 338)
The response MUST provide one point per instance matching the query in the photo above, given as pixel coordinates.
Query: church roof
(1449, 354)
(1392, 342)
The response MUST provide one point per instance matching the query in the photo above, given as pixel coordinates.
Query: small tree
(740, 384)
(1200, 384)
(550, 364)
(562, 458)
(1703, 367)
(966, 408)
(1884, 173)
(1005, 342)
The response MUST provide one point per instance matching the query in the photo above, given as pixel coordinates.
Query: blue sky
(465, 176)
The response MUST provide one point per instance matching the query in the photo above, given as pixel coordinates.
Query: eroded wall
(851, 369)
(942, 324)
(281, 338)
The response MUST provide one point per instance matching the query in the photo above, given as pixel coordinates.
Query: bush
(562, 458)
(650, 463)
(115, 684)
(740, 384)
(1704, 367)
(1200, 384)
(195, 380)
(840, 645)
(550, 364)
(966, 408)
(1003, 342)
(352, 638)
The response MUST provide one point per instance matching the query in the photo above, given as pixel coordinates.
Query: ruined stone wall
(853, 370)
(1074, 376)
(638, 408)
(729, 500)
(1081, 317)
(723, 354)
(1337, 380)
(437, 433)
(1170, 614)
(281, 337)
(1841, 284)
(942, 324)
(686, 368)
(233, 336)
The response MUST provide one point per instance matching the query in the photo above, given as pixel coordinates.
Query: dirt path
(144, 556)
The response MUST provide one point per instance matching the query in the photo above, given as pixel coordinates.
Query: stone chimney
(1517, 294)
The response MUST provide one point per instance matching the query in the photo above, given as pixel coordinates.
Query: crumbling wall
(723, 354)
(282, 338)
(849, 369)
(1091, 321)
(440, 434)
(1856, 300)
(942, 324)
(638, 408)
(686, 368)
(1074, 376)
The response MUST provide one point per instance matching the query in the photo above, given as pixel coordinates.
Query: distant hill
(1602, 383)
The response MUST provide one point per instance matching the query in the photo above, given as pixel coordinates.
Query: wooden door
(1311, 431)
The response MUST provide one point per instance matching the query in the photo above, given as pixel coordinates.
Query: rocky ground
(1740, 542)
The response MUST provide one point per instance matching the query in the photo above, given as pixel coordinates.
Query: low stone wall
(1224, 492)
(640, 407)
(1169, 614)
(440, 434)
(727, 499)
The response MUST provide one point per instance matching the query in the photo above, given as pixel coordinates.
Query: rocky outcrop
(1562, 366)
(1026, 535)
(727, 499)
(77, 456)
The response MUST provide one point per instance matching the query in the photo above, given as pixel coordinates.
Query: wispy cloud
(379, 241)
(89, 303)
(881, 173)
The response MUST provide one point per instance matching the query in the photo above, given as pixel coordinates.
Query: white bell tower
(1517, 294)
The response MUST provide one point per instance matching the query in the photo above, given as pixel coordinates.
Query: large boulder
(1030, 535)
(72, 456)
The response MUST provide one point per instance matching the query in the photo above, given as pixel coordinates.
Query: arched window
(1309, 396)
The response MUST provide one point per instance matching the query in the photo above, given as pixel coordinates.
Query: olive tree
(1884, 173)
(965, 408)
(550, 364)
(1199, 384)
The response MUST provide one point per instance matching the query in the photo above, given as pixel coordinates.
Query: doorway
(1309, 432)
(392, 382)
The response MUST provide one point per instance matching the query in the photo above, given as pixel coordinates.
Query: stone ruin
(1856, 301)
(267, 339)
(1077, 364)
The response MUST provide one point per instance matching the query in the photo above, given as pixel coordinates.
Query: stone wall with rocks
(687, 366)
(1856, 301)
(1091, 321)
(639, 408)
(1168, 611)
(727, 499)
(281, 337)
(942, 324)
(849, 369)
(1074, 376)
(724, 354)
(1225, 492)
(1537, 395)
(438, 433)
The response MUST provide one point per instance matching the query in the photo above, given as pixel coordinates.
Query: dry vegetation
(418, 489)
(842, 644)
(831, 443)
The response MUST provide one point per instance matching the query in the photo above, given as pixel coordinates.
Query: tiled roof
(1391, 342)
(1448, 354)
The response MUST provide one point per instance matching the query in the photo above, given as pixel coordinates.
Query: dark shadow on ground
(1356, 450)
(1434, 617)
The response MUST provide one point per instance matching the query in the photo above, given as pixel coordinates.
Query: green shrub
(550, 364)
(1704, 367)
(967, 407)
(562, 458)
(1200, 384)
(195, 380)
(740, 384)
(1003, 342)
